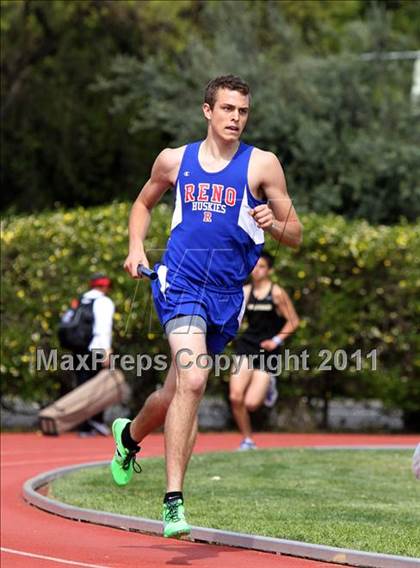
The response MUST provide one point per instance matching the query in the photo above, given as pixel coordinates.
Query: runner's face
(229, 114)
(261, 270)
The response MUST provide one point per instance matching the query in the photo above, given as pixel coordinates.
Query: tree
(74, 132)
(343, 127)
(60, 143)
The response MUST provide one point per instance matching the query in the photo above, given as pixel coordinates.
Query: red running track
(33, 538)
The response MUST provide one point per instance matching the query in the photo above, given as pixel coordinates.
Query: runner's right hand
(132, 261)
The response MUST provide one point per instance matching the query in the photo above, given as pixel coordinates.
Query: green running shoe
(123, 463)
(174, 523)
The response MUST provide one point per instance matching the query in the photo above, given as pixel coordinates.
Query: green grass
(365, 500)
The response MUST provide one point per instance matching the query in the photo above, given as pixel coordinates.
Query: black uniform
(263, 323)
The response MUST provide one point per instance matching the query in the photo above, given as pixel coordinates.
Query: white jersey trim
(242, 311)
(177, 214)
(162, 272)
(247, 223)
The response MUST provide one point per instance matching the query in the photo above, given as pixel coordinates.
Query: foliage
(60, 143)
(76, 133)
(342, 127)
(354, 286)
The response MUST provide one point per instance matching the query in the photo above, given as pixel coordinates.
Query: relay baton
(143, 271)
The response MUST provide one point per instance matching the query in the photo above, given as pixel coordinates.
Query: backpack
(75, 330)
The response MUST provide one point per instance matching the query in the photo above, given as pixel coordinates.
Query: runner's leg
(255, 394)
(239, 382)
(181, 418)
(151, 416)
(153, 413)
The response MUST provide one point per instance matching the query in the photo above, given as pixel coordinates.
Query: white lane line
(55, 460)
(51, 558)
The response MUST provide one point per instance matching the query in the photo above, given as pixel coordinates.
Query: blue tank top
(214, 242)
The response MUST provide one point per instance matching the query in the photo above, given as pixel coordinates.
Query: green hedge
(354, 287)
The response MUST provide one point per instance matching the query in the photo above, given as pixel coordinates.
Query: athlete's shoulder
(247, 292)
(167, 164)
(279, 293)
(170, 157)
(265, 174)
(264, 158)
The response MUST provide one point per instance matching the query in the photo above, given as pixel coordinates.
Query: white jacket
(103, 313)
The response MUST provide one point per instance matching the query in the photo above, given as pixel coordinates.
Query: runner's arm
(163, 175)
(285, 308)
(280, 218)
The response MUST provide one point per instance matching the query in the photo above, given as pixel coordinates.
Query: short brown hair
(230, 82)
(268, 258)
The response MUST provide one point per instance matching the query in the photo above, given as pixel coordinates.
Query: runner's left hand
(268, 344)
(263, 216)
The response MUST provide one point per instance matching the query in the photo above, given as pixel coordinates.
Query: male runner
(228, 194)
(271, 318)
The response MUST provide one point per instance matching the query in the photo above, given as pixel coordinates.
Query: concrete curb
(200, 534)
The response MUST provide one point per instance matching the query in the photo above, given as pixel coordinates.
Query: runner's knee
(193, 382)
(236, 397)
(251, 405)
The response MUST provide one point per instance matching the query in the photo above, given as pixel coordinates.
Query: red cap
(100, 281)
